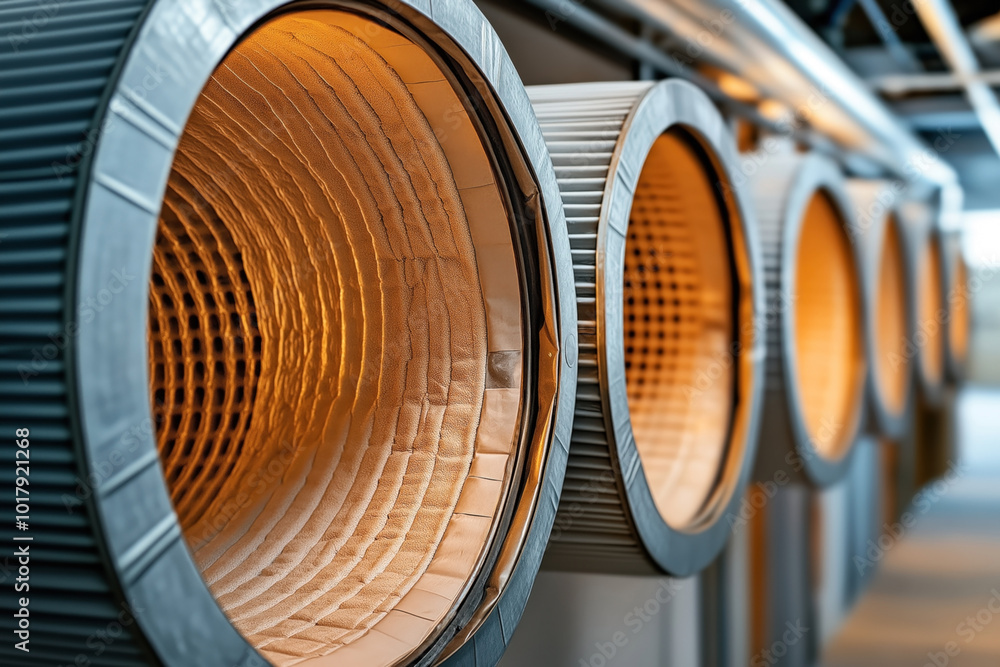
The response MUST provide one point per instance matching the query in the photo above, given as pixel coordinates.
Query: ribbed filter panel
(642, 335)
(56, 61)
(95, 96)
(581, 132)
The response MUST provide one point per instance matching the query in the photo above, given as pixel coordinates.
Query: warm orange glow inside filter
(890, 321)
(930, 333)
(678, 309)
(335, 342)
(828, 341)
(958, 322)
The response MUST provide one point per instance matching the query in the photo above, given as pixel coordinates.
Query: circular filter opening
(929, 308)
(679, 321)
(890, 362)
(827, 334)
(335, 336)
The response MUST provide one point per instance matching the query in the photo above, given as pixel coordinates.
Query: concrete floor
(935, 600)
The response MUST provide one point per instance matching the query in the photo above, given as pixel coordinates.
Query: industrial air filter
(816, 364)
(665, 262)
(887, 306)
(312, 293)
(928, 314)
(956, 281)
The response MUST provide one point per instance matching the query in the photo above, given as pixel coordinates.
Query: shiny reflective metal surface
(942, 24)
(765, 43)
(185, 41)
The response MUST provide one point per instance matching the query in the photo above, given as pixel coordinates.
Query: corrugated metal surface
(55, 64)
(581, 126)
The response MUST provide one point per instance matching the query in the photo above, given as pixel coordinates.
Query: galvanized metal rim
(675, 103)
(175, 51)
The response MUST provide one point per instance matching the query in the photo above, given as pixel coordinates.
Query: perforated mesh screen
(204, 350)
(335, 342)
(678, 326)
(827, 331)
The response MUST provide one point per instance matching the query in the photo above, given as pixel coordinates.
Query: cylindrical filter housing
(927, 329)
(666, 266)
(313, 293)
(816, 355)
(887, 305)
(957, 304)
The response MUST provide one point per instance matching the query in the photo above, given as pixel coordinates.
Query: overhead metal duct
(945, 30)
(816, 356)
(887, 304)
(308, 290)
(770, 47)
(667, 277)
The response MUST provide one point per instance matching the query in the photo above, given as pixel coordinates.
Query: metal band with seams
(97, 100)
